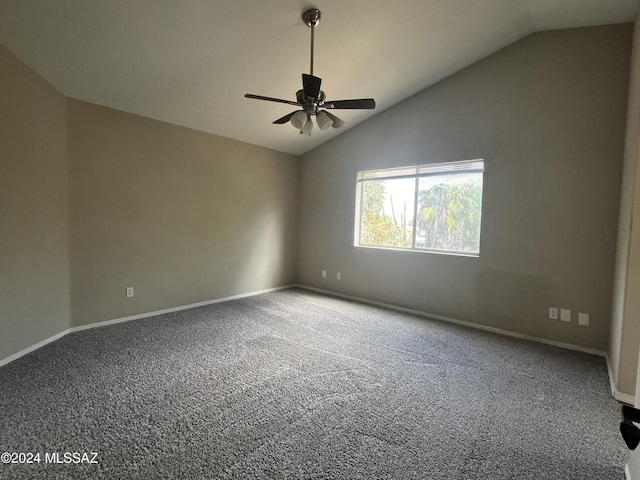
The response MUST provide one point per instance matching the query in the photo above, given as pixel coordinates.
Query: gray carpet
(293, 384)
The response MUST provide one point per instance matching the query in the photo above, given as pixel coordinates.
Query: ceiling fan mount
(311, 98)
(311, 17)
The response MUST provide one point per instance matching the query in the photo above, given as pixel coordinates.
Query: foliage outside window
(433, 207)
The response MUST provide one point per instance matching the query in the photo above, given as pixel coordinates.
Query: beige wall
(34, 237)
(547, 115)
(625, 327)
(95, 200)
(180, 215)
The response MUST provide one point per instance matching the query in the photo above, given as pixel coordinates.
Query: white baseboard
(487, 328)
(57, 336)
(624, 397)
(30, 349)
(619, 396)
(176, 309)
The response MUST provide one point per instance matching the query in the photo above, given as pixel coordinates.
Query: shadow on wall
(508, 297)
(263, 255)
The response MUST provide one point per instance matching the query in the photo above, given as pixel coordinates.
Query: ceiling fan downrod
(310, 100)
(311, 19)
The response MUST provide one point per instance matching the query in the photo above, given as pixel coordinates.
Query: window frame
(445, 169)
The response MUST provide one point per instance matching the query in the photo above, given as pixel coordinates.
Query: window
(428, 207)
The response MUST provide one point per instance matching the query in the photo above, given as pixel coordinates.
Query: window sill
(422, 250)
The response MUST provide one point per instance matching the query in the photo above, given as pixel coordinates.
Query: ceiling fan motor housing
(310, 105)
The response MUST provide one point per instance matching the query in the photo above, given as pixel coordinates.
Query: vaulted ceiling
(190, 62)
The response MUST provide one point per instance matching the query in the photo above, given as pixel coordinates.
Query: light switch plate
(565, 315)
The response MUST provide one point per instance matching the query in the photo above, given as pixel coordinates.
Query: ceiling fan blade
(337, 123)
(286, 118)
(311, 86)
(270, 99)
(362, 103)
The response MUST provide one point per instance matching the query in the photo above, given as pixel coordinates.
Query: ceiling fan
(311, 98)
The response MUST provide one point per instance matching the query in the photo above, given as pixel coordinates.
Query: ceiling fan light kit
(311, 98)
(323, 121)
(308, 126)
(299, 119)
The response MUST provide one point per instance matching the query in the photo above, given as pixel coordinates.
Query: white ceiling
(190, 62)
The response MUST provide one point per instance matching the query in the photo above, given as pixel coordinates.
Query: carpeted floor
(293, 384)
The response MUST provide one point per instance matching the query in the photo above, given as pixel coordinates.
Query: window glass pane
(434, 207)
(449, 209)
(387, 212)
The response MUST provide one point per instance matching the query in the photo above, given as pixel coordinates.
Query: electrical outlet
(129, 292)
(583, 319)
(565, 315)
(324, 274)
(338, 276)
(553, 313)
